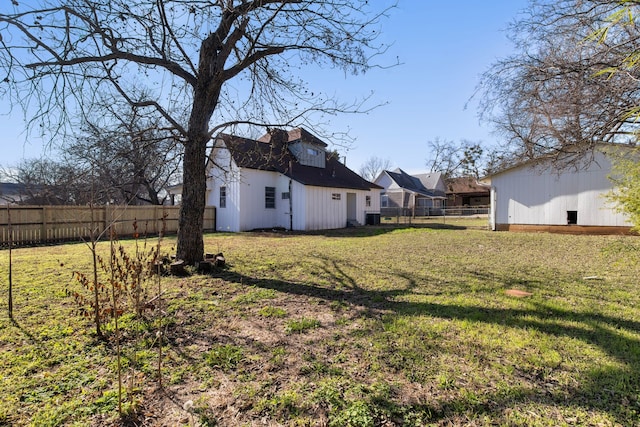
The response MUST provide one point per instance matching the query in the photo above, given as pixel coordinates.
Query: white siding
(535, 196)
(245, 202)
(246, 209)
(299, 204)
(323, 212)
(253, 213)
(228, 175)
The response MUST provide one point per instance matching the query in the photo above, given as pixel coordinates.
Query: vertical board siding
(35, 225)
(324, 213)
(299, 199)
(227, 218)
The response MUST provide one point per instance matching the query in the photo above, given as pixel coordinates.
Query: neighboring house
(13, 193)
(537, 196)
(467, 191)
(417, 193)
(286, 180)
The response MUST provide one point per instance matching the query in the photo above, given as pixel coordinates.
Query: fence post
(105, 214)
(43, 230)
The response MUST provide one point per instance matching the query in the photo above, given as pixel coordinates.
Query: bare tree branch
(573, 82)
(61, 58)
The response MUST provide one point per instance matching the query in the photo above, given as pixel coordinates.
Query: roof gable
(291, 136)
(432, 181)
(415, 184)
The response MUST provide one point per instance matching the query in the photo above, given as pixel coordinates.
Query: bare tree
(560, 93)
(128, 160)
(50, 182)
(132, 158)
(373, 166)
(182, 55)
(452, 159)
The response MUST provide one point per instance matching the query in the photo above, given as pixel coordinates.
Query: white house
(286, 180)
(535, 195)
(414, 192)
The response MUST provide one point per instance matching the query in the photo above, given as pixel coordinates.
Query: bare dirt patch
(517, 293)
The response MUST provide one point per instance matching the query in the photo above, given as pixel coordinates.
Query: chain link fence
(424, 214)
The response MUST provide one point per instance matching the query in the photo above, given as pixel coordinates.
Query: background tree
(120, 159)
(132, 158)
(50, 182)
(176, 55)
(373, 166)
(572, 83)
(456, 159)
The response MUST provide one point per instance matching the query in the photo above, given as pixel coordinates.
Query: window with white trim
(223, 197)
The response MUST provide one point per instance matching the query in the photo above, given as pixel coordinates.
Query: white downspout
(493, 208)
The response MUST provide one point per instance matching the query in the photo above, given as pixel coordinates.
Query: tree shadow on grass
(366, 231)
(599, 389)
(32, 339)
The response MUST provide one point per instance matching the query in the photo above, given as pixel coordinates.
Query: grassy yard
(379, 326)
(470, 221)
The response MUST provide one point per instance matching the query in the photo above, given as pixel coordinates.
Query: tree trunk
(206, 94)
(190, 244)
(194, 185)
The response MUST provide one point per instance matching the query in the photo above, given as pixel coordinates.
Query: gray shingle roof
(415, 184)
(270, 153)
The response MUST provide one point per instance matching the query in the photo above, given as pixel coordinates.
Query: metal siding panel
(555, 201)
(594, 207)
(543, 197)
(228, 218)
(283, 205)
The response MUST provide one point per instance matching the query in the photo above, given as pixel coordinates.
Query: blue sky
(443, 48)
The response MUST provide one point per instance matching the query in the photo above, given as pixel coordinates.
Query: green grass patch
(270, 311)
(224, 356)
(298, 326)
(393, 325)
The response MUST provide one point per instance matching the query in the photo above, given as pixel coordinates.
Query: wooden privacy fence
(36, 225)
